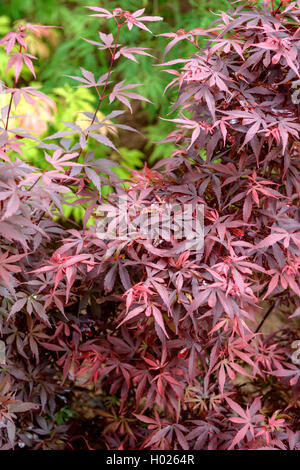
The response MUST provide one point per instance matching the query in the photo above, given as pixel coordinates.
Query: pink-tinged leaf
(9, 231)
(59, 159)
(138, 12)
(254, 407)
(133, 313)
(251, 132)
(120, 92)
(104, 140)
(29, 64)
(110, 277)
(129, 51)
(210, 103)
(199, 300)
(124, 276)
(12, 206)
(163, 292)
(159, 319)
(145, 419)
(273, 284)
(181, 439)
(247, 208)
(16, 62)
(60, 134)
(230, 372)
(158, 435)
(17, 306)
(239, 436)
(101, 12)
(173, 43)
(94, 177)
(240, 369)
(222, 378)
(88, 75)
(270, 240)
(236, 407)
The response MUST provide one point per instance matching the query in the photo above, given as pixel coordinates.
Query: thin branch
(101, 97)
(269, 311)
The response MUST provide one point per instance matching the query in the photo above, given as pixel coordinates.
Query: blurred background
(62, 52)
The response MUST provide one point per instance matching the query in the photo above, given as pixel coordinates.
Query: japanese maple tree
(173, 338)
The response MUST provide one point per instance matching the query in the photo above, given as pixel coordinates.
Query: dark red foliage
(174, 339)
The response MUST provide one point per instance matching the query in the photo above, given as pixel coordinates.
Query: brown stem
(101, 97)
(11, 97)
(33, 185)
(269, 311)
(9, 109)
(10, 102)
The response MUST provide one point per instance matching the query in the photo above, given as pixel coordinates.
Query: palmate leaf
(59, 160)
(102, 139)
(107, 39)
(7, 266)
(129, 52)
(120, 92)
(89, 79)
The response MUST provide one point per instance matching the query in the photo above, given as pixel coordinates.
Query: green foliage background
(69, 52)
